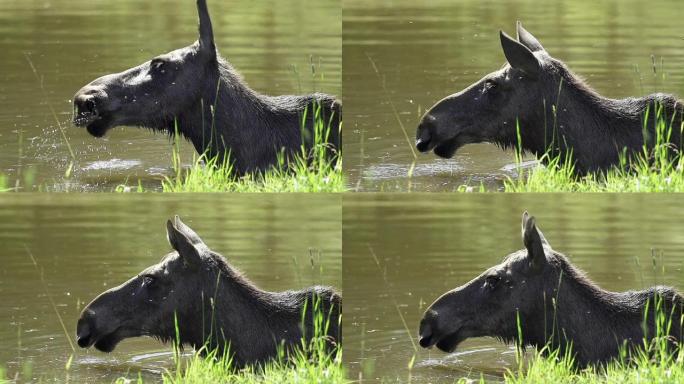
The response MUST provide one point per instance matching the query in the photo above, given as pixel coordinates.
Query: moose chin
(537, 297)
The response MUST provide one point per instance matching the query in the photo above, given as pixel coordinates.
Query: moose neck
(252, 321)
(228, 117)
(581, 316)
(579, 120)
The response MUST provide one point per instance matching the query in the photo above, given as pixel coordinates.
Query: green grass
(654, 169)
(309, 171)
(655, 361)
(644, 369)
(296, 176)
(314, 365)
(652, 364)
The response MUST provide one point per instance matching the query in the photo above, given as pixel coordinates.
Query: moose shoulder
(195, 92)
(556, 113)
(555, 304)
(213, 305)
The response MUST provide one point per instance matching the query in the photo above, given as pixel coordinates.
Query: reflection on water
(402, 251)
(113, 164)
(86, 244)
(70, 43)
(425, 51)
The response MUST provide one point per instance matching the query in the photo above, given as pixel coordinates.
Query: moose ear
(188, 251)
(187, 231)
(519, 56)
(534, 242)
(206, 32)
(528, 40)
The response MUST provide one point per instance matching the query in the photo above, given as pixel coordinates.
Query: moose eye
(489, 84)
(147, 281)
(158, 65)
(491, 281)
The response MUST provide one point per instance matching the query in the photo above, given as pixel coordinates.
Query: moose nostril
(83, 341)
(83, 330)
(425, 332)
(83, 336)
(89, 106)
(423, 136)
(425, 341)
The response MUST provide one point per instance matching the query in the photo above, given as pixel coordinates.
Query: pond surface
(70, 43)
(86, 244)
(427, 244)
(424, 51)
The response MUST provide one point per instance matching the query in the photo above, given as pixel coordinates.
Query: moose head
(153, 93)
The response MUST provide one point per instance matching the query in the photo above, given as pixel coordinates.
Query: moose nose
(86, 105)
(425, 341)
(84, 329)
(425, 338)
(426, 330)
(424, 133)
(83, 334)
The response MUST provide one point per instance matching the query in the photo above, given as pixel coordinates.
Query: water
(85, 244)
(427, 244)
(427, 50)
(271, 43)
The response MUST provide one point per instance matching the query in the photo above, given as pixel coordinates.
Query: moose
(536, 104)
(195, 297)
(556, 306)
(196, 93)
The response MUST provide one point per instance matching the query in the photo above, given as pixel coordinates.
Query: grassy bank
(654, 366)
(652, 361)
(310, 170)
(301, 369)
(668, 368)
(320, 175)
(662, 176)
(657, 168)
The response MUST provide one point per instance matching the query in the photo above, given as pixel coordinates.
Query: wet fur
(212, 304)
(261, 313)
(254, 128)
(593, 129)
(556, 303)
(197, 93)
(597, 322)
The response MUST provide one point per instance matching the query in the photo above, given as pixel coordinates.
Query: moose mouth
(97, 123)
(106, 342)
(444, 149)
(448, 148)
(96, 126)
(446, 343)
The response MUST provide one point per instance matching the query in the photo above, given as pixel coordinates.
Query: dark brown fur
(556, 304)
(213, 305)
(196, 93)
(558, 114)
